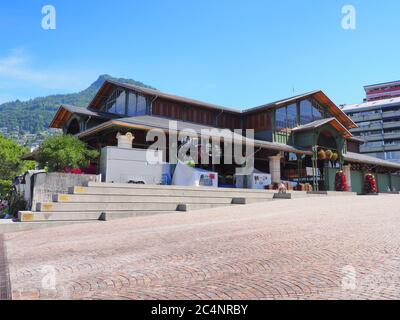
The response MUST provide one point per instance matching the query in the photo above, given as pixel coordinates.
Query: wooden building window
(116, 102)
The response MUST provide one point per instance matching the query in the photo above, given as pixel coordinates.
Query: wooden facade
(260, 121)
(195, 114)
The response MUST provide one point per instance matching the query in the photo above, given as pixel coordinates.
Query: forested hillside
(35, 115)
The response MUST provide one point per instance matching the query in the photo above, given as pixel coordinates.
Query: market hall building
(292, 136)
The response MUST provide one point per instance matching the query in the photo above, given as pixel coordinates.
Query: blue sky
(234, 53)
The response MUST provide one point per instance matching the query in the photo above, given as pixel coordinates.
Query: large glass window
(116, 102)
(141, 106)
(132, 104)
(280, 118)
(137, 105)
(292, 116)
(289, 118)
(317, 114)
(306, 112)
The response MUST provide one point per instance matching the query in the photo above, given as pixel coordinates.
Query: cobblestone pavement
(313, 248)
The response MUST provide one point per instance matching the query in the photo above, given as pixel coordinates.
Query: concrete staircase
(105, 201)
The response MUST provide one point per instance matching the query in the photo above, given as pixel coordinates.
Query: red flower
(72, 171)
(370, 184)
(341, 182)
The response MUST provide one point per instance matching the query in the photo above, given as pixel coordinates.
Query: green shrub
(5, 186)
(64, 151)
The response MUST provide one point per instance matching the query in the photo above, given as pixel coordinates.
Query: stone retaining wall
(47, 184)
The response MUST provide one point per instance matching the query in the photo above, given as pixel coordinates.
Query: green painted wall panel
(396, 182)
(357, 181)
(383, 182)
(330, 182)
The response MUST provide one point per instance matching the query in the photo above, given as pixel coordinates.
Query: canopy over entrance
(331, 122)
(320, 136)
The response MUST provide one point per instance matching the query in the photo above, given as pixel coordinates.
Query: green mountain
(36, 114)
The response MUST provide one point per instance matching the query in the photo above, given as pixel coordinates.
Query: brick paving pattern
(312, 248)
(5, 289)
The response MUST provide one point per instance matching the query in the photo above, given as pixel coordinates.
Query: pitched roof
(318, 95)
(155, 93)
(356, 139)
(65, 112)
(319, 123)
(281, 102)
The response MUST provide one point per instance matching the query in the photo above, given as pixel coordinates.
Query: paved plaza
(311, 248)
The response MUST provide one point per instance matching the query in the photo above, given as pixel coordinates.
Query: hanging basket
(329, 154)
(335, 156)
(321, 155)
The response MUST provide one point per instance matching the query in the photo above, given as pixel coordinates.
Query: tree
(64, 151)
(11, 164)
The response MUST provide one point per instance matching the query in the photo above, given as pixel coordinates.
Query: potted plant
(341, 182)
(370, 186)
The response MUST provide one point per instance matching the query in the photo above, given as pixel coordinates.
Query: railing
(374, 126)
(392, 135)
(370, 117)
(393, 124)
(391, 114)
(364, 148)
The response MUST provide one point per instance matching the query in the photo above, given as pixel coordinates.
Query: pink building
(382, 91)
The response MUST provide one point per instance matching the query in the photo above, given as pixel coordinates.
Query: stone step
(163, 187)
(341, 194)
(114, 215)
(156, 188)
(18, 226)
(151, 198)
(29, 216)
(170, 192)
(126, 206)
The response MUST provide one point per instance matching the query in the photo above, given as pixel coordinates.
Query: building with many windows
(378, 121)
(289, 134)
(382, 91)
